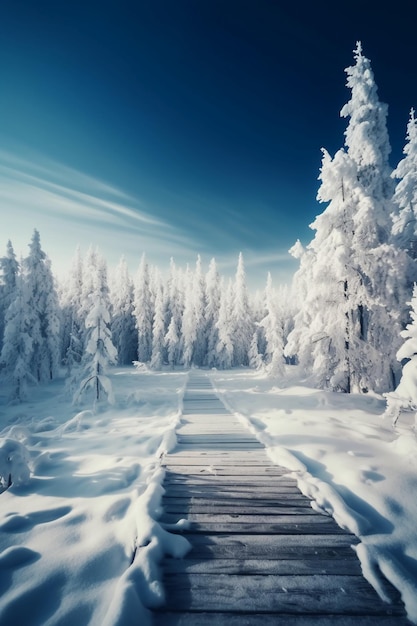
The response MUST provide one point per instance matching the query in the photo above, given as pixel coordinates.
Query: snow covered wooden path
(260, 554)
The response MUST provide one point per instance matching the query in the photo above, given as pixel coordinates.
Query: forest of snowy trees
(342, 321)
(90, 322)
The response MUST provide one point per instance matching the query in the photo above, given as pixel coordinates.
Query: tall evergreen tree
(405, 196)
(188, 322)
(158, 327)
(44, 310)
(173, 316)
(73, 326)
(225, 347)
(9, 267)
(241, 317)
(100, 352)
(212, 312)
(354, 276)
(123, 322)
(199, 297)
(274, 332)
(16, 354)
(143, 311)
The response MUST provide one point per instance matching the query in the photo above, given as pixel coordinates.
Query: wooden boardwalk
(260, 554)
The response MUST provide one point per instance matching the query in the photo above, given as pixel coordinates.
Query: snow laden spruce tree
(193, 320)
(405, 395)
(211, 313)
(173, 316)
(43, 310)
(354, 278)
(143, 311)
(242, 327)
(405, 196)
(158, 326)
(9, 268)
(272, 325)
(100, 351)
(123, 322)
(17, 350)
(73, 325)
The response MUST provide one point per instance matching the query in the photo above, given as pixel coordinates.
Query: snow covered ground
(345, 456)
(68, 536)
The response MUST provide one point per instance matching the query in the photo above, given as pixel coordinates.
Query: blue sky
(183, 127)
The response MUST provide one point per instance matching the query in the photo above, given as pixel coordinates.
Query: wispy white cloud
(70, 208)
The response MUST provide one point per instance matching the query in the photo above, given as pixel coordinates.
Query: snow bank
(346, 458)
(80, 541)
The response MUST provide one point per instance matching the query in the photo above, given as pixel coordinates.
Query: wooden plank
(216, 437)
(261, 528)
(230, 481)
(226, 470)
(333, 566)
(249, 477)
(312, 519)
(314, 593)
(185, 508)
(242, 504)
(214, 456)
(274, 619)
(213, 490)
(185, 451)
(276, 542)
(270, 551)
(218, 460)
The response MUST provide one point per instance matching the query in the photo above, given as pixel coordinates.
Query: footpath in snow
(259, 553)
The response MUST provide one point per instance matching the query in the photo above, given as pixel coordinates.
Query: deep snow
(345, 456)
(69, 535)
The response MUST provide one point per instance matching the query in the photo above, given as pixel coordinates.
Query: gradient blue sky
(178, 127)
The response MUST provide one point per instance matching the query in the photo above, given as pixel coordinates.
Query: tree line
(88, 322)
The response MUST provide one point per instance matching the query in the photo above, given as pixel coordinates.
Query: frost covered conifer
(405, 196)
(193, 337)
(241, 317)
(143, 311)
(123, 323)
(17, 349)
(273, 330)
(9, 267)
(100, 352)
(172, 343)
(212, 312)
(158, 327)
(225, 348)
(73, 325)
(199, 297)
(255, 359)
(354, 278)
(188, 322)
(405, 395)
(42, 302)
(173, 315)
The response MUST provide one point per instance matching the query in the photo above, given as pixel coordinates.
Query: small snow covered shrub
(14, 467)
